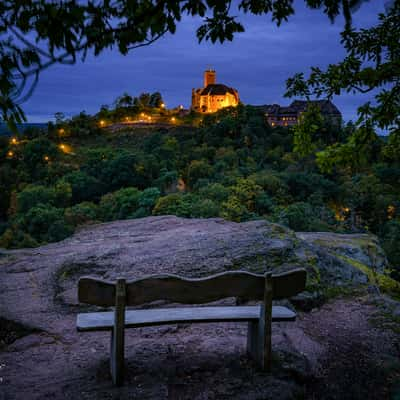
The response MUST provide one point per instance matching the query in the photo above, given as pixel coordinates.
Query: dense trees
(245, 170)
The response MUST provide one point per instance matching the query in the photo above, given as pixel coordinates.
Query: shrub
(198, 169)
(263, 203)
(14, 238)
(234, 210)
(205, 208)
(84, 187)
(215, 191)
(81, 213)
(390, 243)
(33, 195)
(121, 204)
(175, 204)
(45, 223)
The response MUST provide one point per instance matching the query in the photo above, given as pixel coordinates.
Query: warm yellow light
(14, 141)
(142, 114)
(102, 122)
(10, 154)
(273, 123)
(346, 209)
(391, 210)
(61, 131)
(181, 107)
(162, 105)
(62, 146)
(173, 119)
(46, 158)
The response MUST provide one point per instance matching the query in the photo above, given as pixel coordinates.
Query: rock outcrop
(38, 304)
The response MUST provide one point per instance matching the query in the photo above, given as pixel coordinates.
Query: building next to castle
(277, 115)
(213, 96)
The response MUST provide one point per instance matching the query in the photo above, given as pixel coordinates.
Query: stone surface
(44, 357)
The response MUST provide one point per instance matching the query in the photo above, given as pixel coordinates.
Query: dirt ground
(331, 353)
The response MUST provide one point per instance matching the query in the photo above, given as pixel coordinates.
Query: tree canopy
(36, 34)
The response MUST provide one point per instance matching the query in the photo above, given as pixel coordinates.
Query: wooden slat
(289, 283)
(103, 321)
(196, 291)
(96, 291)
(192, 291)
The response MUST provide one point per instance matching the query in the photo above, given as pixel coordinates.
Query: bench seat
(104, 321)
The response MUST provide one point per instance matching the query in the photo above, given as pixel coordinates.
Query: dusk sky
(257, 63)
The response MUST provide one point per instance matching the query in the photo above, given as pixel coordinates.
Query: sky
(257, 63)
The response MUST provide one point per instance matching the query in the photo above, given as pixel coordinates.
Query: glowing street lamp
(102, 122)
(10, 154)
(46, 158)
(173, 119)
(61, 131)
(162, 105)
(14, 141)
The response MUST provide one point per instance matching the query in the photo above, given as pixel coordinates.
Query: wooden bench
(239, 284)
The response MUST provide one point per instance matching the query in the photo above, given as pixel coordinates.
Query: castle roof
(217, 89)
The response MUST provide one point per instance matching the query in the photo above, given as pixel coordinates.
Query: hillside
(230, 164)
(346, 329)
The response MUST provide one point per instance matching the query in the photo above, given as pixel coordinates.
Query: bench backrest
(176, 289)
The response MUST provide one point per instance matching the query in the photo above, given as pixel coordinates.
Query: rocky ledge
(334, 344)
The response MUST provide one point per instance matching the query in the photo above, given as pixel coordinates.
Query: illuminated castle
(213, 96)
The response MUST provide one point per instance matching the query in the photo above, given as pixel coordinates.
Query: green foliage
(198, 169)
(205, 208)
(81, 213)
(14, 238)
(353, 155)
(309, 124)
(33, 196)
(45, 223)
(36, 151)
(304, 217)
(246, 191)
(84, 187)
(121, 204)
(215, 191)
(390, 243)
(234, 166)
(175, 204)
(234, 210)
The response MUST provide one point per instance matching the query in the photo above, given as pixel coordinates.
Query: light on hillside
(61, 131)
(14, 141)
(162, 105)
(173, 120)
(102, 122)
(10, 154)
(46, 158)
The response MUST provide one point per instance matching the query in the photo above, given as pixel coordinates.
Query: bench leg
(264, 348)
(117, 357)
(118, 335)
(252, 339)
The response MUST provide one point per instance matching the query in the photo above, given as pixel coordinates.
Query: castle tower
(209, 77)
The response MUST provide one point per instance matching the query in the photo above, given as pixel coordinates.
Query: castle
(213, 96)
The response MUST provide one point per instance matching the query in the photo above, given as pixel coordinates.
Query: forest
(231, 164)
